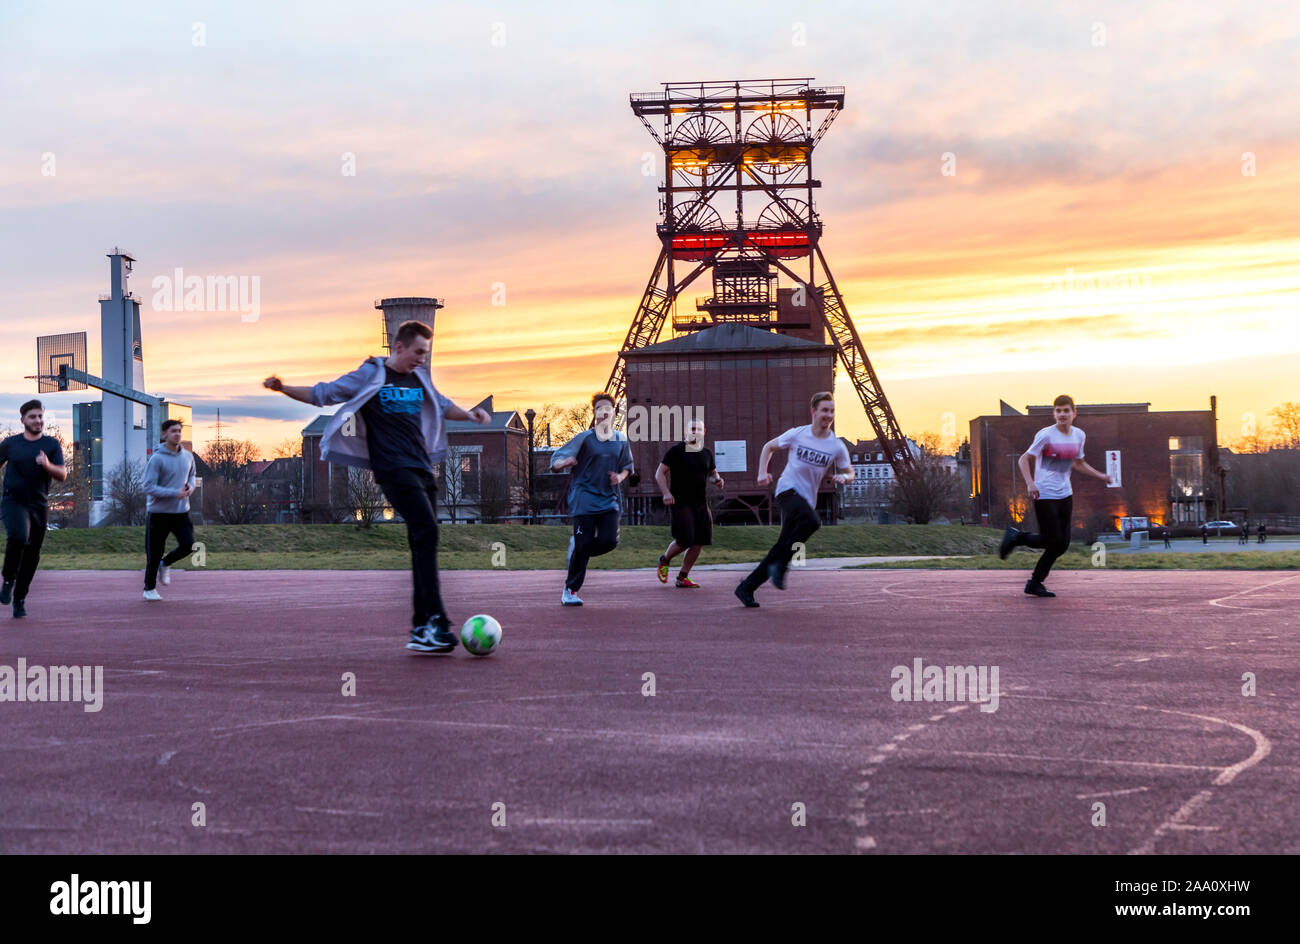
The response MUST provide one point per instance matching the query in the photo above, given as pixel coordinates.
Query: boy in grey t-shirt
(812, 450)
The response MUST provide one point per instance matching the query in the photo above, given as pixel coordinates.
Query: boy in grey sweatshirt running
(168, 483)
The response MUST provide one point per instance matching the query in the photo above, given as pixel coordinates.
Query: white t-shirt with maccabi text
(1055, 452)
(807, 460)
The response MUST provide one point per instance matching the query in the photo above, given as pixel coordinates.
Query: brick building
(747, 384)
(1169, 463)
(324, 491)
(483, 477)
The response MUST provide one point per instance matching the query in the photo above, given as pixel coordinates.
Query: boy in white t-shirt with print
(814, 450)
(1058, 450)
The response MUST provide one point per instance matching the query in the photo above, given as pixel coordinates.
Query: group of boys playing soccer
(393, 422)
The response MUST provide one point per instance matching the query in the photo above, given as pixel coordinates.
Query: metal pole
(531, 509)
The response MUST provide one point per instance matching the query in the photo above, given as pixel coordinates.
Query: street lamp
(530, 413)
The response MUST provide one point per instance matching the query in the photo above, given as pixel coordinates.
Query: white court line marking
(936, 717)
(548, 729)
(901, 737)
(1219, 600)
(955, 709)
(1110, 793)
(919, 727)
(1226, 774)
(1070, 760)
(865, 842)
(316, 809)
(926, 595)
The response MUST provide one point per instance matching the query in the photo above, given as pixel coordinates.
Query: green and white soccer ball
(481, 635)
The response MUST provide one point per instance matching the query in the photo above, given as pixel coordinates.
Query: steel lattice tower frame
(729, 140)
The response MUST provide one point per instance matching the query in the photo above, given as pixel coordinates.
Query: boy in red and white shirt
(1059, 451)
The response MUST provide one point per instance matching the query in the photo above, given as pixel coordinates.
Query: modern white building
(113, 430)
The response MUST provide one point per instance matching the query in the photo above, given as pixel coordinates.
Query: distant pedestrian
(1205, 534)
(1263, 532)
(1165, 532)
(1245, 533)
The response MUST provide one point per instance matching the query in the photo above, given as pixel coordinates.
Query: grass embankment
(383, 546)
(469, 547)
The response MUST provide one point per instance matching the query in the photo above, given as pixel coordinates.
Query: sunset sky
(494, 144)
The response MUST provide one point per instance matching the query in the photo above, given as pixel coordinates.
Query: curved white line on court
(1219, 600)
(999, 590)
(1263, 747)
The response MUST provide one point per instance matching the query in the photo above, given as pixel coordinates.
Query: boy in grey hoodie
(168, 483)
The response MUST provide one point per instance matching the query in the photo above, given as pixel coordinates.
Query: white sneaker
(151, 595)
(569, 598)
(164, 575)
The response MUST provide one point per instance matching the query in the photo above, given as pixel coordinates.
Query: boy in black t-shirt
(30, 460)
(402, 413)
(683, 476)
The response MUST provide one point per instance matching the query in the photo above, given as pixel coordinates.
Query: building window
(1186, 475)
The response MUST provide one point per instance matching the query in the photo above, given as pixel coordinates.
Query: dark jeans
(25, 527)
(413, 493)
(593, 535)
(156, 529)
(798, 522)
(1053, 534)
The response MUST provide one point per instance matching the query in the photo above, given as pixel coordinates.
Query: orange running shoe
(686, 582)
(663, 569)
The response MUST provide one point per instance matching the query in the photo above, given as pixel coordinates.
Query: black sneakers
(1010, 538)
(6, 592)
(19, 610)
(434, 636)
(745, 595)
(1036, 589)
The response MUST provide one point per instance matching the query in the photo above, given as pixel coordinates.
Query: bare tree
(459, 480)
(564, 422)
(229, 458)
(125, 493)
(63, 494)
(1286, 426)
(494, 496)
(932, 489)
(287, 449)
(234, 502)
(365, 497)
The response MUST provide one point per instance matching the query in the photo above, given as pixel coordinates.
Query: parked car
(1219, 527)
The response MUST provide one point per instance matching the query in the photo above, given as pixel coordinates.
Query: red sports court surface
(1125, 690)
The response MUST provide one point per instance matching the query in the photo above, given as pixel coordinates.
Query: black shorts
(692, 524)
